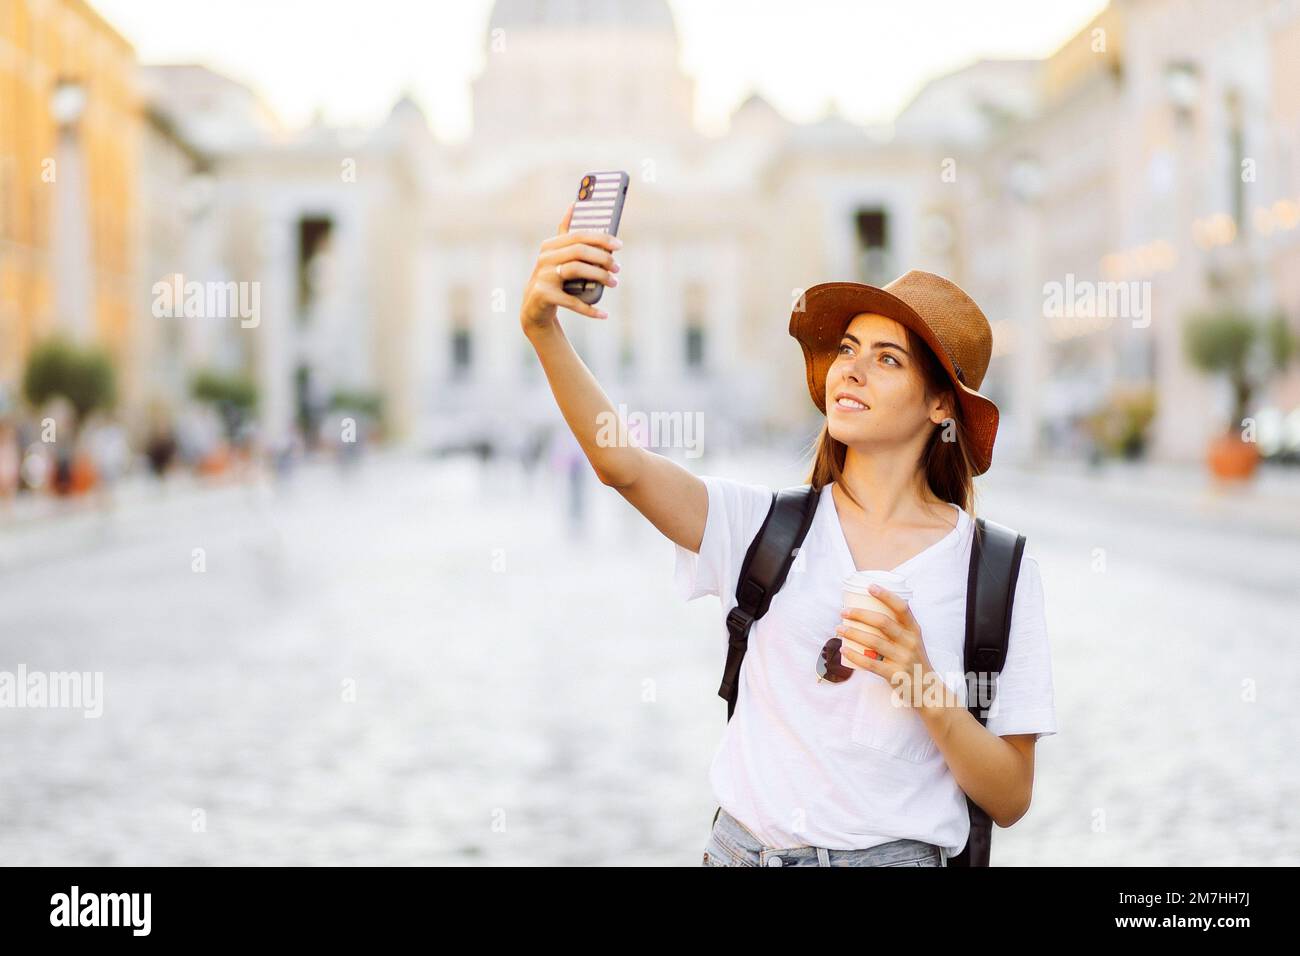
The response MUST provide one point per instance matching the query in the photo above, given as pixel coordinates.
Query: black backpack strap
(995, 556)
(766, 564)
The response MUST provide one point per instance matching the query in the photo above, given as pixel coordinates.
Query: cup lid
(859, 580)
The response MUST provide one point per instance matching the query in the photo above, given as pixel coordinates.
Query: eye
(844, 346)
(892, 359)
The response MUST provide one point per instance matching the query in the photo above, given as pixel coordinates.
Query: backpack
(996, 551)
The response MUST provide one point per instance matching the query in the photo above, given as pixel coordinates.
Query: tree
(1241, 346)
(234, 396)
(84, 376)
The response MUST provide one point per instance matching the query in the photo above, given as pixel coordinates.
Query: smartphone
(598, 209)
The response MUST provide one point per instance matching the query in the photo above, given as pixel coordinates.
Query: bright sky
(352, 60)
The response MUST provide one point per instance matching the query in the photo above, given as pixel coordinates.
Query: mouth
(848, 403)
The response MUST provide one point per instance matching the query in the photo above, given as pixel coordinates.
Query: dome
(575, 14)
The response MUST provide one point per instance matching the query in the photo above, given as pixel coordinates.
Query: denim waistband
(746, 849)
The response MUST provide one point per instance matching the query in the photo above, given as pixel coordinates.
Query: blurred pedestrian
(531, 455)
(160, 449)
(569, 462)
(10, 463)
(111, 455)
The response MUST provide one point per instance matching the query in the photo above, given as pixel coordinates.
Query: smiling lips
(849, 404)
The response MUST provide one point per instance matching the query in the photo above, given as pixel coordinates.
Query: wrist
(539, 331)
(938, 705)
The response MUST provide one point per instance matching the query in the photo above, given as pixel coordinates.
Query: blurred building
(1150, 162)
(383, 261)
(175, 199)
(723, 234)
(69, 139)
(388, 261)
(316, 231)
(1162, 155)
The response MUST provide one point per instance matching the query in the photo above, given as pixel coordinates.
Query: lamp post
(71, 232)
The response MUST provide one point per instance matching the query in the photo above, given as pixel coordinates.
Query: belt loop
(823, 856)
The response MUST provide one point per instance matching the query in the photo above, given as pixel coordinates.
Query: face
(874, 366)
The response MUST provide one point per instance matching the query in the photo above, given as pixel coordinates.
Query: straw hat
(937, 310)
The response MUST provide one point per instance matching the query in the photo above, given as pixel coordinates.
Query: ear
(942, 407)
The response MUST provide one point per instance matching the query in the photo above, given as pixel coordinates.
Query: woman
(861, 772)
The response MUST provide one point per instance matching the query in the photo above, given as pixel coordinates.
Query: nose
(851, 371)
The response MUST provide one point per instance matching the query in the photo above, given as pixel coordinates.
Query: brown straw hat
(944, 316)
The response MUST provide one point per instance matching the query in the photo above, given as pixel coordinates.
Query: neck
(889, 489)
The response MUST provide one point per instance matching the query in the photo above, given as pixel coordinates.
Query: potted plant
(1249, 351)
(82, 377)
(234, 396)
(1119, 426)
(361, 403)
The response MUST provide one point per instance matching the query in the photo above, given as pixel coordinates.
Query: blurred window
(313, 237)
(873, 256)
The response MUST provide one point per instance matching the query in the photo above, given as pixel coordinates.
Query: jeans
(732, 844)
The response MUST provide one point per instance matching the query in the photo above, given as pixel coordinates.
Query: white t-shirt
(805, 762)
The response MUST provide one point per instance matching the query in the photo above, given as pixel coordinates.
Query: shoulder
(737, 510)
(1029, 607)
(734, 489)
(737, 505)
(1029, 577)
(1009, 532)
(1030, 569)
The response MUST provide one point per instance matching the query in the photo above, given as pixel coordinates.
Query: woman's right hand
(567, 255)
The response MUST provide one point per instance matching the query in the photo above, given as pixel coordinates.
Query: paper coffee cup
(855, 594)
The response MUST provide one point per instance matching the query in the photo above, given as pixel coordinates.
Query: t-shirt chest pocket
(893, 727)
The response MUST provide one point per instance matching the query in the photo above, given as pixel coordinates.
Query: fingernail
(874, 589)
(613, 280)
(618, 243)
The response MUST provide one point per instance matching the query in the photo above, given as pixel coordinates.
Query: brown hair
(948, 466)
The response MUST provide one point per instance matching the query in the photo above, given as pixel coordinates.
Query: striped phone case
(598, 209)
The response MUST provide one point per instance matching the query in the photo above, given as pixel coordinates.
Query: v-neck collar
(846, 553)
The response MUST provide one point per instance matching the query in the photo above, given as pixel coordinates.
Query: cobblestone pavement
(424, 663)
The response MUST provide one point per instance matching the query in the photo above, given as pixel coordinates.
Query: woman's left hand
(902, 648)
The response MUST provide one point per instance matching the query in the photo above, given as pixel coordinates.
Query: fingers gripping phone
(598, 209)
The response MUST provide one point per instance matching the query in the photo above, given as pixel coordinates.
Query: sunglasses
(831, 667)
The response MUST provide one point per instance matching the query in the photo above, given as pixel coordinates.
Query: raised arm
(674, 500)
